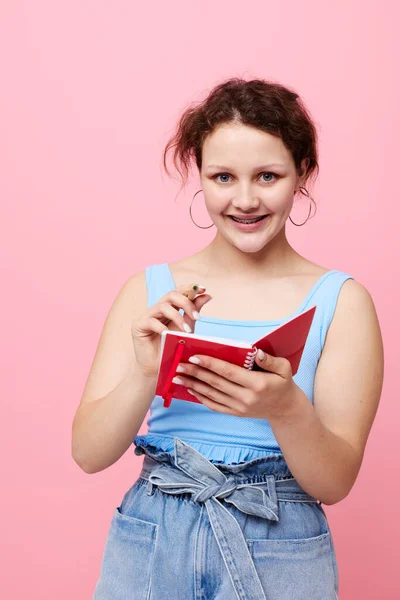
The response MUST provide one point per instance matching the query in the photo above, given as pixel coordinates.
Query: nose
(245, 201)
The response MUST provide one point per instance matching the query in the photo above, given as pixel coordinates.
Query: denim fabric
(191, 530)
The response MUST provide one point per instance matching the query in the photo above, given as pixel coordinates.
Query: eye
(269, 174)
(227, 175)
(221, 175)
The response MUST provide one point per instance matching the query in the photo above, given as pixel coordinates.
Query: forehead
(232, 144)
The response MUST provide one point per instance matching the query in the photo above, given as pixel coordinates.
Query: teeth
(248, 220)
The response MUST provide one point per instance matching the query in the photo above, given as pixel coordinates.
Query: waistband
(188, 471)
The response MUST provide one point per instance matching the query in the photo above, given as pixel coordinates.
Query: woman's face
(248, 173)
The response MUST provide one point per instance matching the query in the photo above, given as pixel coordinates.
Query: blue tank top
(225, 438)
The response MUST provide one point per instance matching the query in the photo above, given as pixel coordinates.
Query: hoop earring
(309, 212)
(190, 212)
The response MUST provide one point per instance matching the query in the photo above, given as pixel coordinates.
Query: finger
(163, 309)
(216, 406)
(179, 300)
(152, 324)
(214, 394)
(191, 291)
(210, 379)
(147, 325)
(233, 373)
(200, 301)
(189, 307)
(273, 364)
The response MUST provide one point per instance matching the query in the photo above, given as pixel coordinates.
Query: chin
(253, 249)
(249, 246)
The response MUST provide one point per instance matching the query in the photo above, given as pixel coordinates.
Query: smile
(254, 220)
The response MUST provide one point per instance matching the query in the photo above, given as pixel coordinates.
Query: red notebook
(287, 341)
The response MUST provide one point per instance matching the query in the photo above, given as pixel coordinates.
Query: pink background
(90, 92)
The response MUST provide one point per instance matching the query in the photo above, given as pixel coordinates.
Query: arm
(324, 443)
(116, 396)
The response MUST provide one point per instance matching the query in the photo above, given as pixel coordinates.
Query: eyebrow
(263, 167)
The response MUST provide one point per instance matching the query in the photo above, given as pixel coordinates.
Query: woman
(229, 500)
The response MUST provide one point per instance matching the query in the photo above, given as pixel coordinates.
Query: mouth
(248, 221)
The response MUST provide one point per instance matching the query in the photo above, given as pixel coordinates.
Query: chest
(267, 300)
(259, 303)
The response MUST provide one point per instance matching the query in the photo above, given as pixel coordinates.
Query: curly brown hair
(266, 105)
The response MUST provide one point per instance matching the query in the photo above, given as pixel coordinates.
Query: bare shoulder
(131, 298)
(355, 324)
(355, 321)
(136, 288)
(354, 304)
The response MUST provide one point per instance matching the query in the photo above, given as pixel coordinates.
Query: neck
(275, 259)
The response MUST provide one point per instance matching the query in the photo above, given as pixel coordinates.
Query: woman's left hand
(234, 390)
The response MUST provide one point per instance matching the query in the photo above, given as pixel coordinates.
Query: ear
(302, 172)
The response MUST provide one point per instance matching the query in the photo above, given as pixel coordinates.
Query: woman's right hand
(146, 330)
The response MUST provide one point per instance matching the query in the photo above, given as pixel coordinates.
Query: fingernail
(195, 314)
(194, 360)
(186, 327)
(261, 354)
(177, 380)
(180, 369)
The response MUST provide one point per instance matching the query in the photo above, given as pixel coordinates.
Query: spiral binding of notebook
(250, 358)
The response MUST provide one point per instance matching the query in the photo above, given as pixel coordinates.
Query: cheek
(281, 201)
(218, 202)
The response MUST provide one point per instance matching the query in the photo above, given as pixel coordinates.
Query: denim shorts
(190, 529)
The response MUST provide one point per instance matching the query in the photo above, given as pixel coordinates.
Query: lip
(252, 226)
(247, 216)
